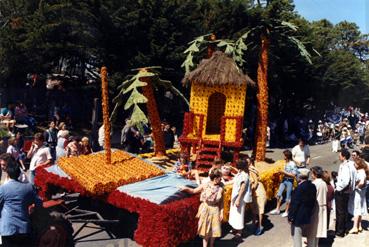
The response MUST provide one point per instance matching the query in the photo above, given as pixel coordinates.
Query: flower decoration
(105, 108)
(98, 178)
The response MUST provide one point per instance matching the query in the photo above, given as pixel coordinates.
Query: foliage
(77, 36)
(131, 86)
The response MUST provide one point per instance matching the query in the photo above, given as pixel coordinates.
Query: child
(210, 213)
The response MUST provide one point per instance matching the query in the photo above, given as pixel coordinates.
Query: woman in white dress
(237, 209)
(318, 226)
(61, 144)
(357, 202)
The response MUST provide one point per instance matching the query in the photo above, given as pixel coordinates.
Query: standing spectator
(15, 198)
(85, 146)
(6, 159)
(361, 131)
(168, 136)
(131, 138)
(62, 143)
(61, 129)
(258, 198)
(241, 182)
(14, 152)
(301, 210)
(318, 225)
(357, 201)
(330, 195)
(39, 155)
(176, 142)
(289, 174)
(51, 139)
(301, 154)
(210, 212)
(101, 138)
(345, 185)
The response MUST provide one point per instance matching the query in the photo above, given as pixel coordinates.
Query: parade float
(133, 183)
(217, 103)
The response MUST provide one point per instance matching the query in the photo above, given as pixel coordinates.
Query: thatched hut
(217, 103)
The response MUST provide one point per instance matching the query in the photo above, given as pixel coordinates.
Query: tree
(271, 28)
(146, 79)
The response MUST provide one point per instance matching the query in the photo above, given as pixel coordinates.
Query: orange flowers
(91, 171)
(105, 108)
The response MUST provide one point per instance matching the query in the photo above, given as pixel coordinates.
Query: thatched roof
(220, 69)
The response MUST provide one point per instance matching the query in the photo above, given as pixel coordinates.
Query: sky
(335, 11)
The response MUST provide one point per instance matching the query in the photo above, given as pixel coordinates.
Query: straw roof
(220, 69)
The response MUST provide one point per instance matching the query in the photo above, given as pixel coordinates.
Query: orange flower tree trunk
(105, 109)
(152, 110)
(262, 101)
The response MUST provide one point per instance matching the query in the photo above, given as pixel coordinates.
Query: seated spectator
(73, 148)
(21, 115)
(7, 117)
(85, 146)
(16, 197)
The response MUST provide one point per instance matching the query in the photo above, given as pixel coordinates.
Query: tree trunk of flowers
(154, 118)
(105, 108)
(262, 100)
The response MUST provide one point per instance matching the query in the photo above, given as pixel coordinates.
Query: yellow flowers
(271, 178)
(97, 177)
(235, 104)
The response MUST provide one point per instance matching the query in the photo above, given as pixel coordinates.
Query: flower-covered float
(133, 183)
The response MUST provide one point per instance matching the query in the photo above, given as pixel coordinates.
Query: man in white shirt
(301, 154)
(344, 186)
(39, 155)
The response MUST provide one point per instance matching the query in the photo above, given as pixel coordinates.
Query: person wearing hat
(301, 209)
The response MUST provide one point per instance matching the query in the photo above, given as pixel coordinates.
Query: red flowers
(158, 225)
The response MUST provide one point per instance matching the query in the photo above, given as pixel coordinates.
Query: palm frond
(302, 49)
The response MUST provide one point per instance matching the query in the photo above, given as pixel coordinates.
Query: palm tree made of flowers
(269, 27)
(145, 80)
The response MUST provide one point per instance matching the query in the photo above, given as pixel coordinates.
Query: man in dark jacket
(301, 207)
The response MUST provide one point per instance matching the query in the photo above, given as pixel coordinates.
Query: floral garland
(105, 108)
(98, 178)
(160, 225)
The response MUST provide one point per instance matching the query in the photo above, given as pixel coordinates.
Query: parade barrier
(166, 216)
